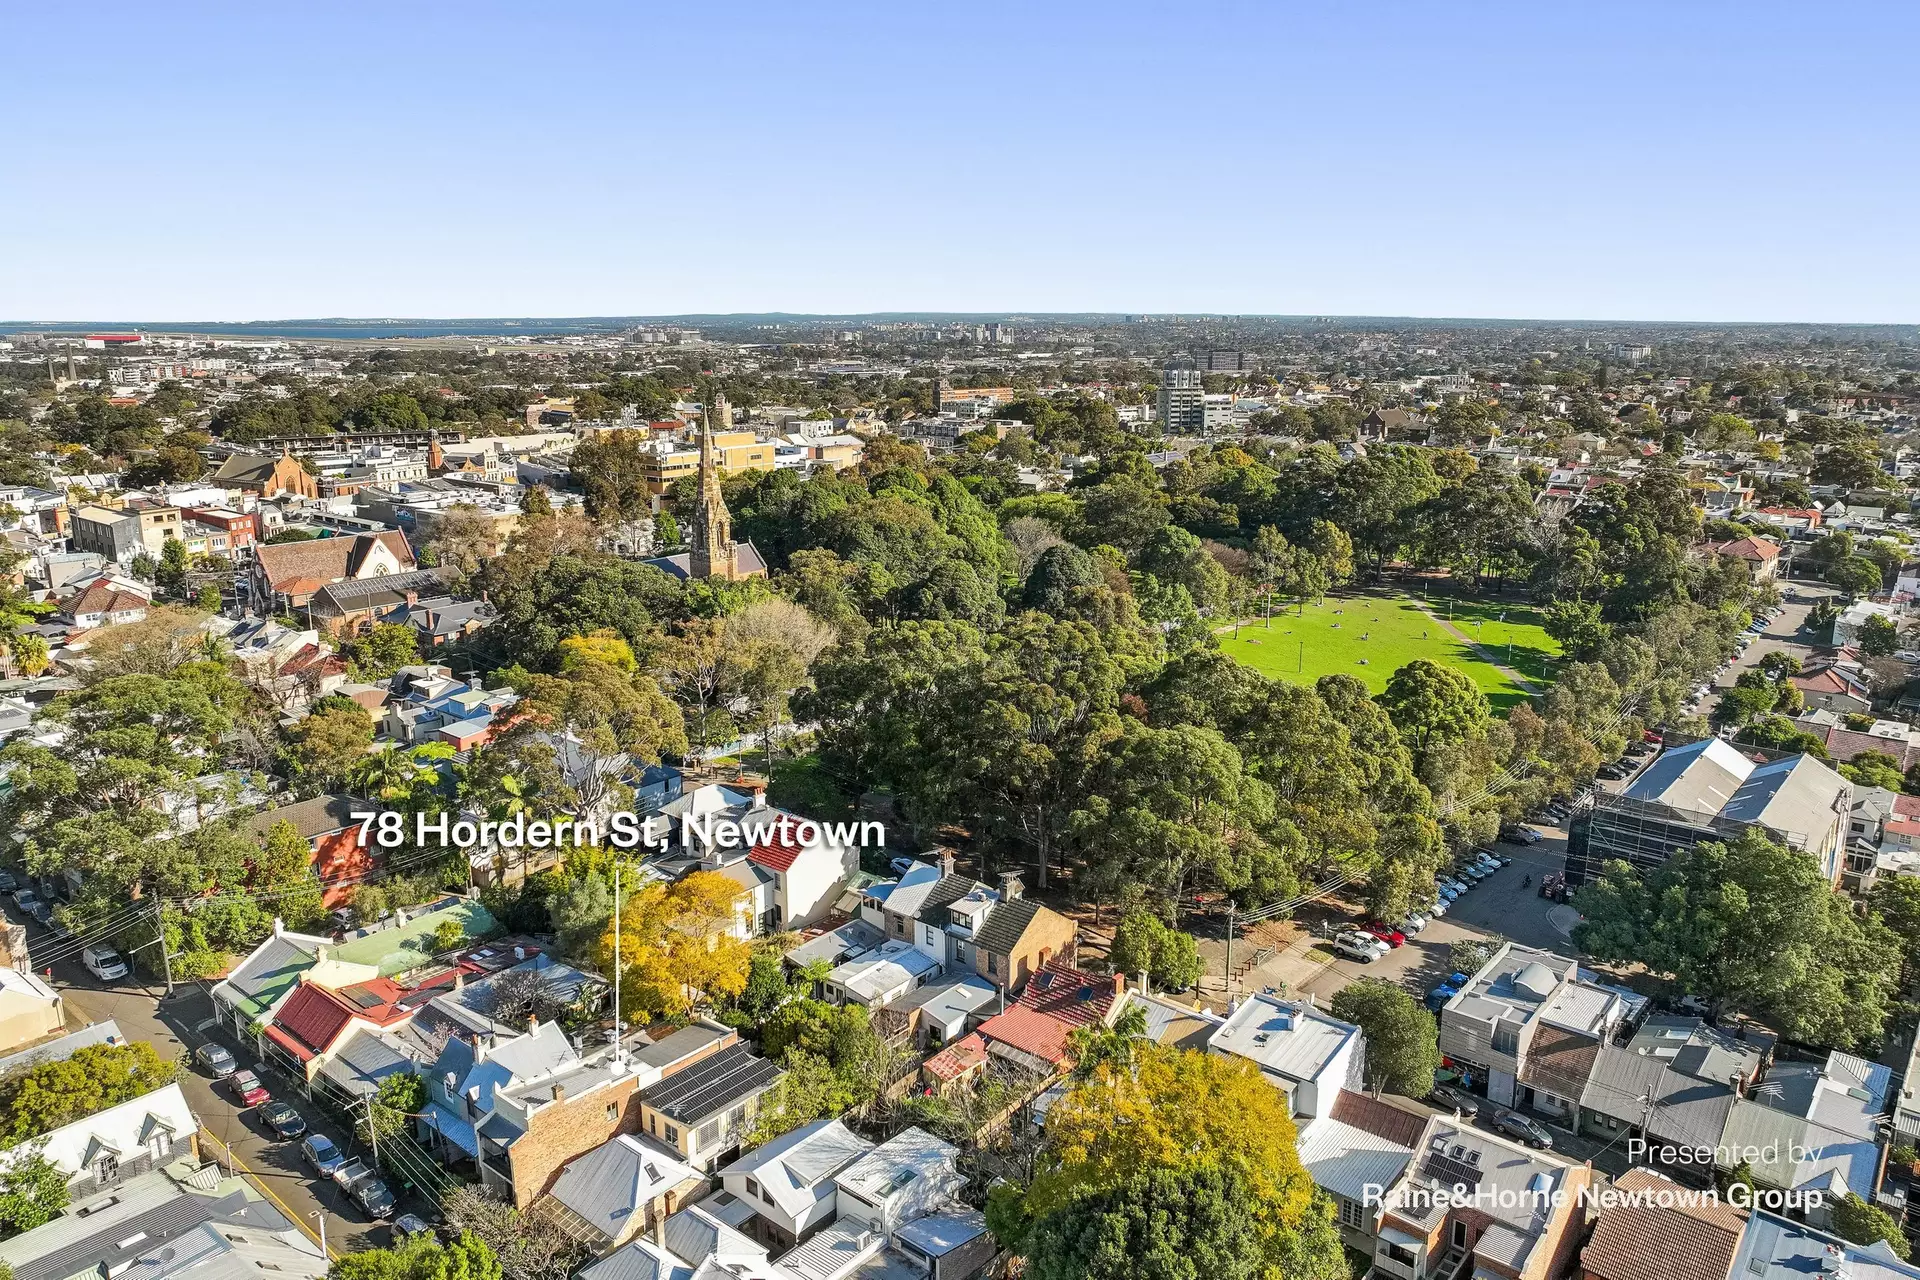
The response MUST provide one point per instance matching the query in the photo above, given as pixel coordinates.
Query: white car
(104, 963)
(1907, 655)
(1414, 923)
(1439, 908)
(1355, 945)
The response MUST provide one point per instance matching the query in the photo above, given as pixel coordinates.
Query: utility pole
(616, 961)
(1229, 950)
(166, 961)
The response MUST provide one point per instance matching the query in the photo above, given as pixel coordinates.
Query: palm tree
(30, 654)
(1096, 1045)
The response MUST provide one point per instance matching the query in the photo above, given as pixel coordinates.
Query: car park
(320, 1152)
(104, 963)
(283, 1120)
(1449, 1098)
(1514, 1125)
(1355, 945)
(216, 1059)
(1385, 932)
(247, 1088)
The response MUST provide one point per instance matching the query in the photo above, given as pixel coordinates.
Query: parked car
(247, 1088)
(374, 1196)
(24, 897)
(350, 1172)
(283, 1120)
(320, 1152)
(1385, 932)
(216, 1059)
(42, 914)
(1458, 886)
(1515, 1125)
(1446, 991)
(104, 963)
(900, 866)
(1440, 907)
(1414, 923)
(1448, 1098)
(7, 883)
(1476, 873)
(410, 1226)
(1355, 945)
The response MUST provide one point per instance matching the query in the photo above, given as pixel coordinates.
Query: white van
(104, 963)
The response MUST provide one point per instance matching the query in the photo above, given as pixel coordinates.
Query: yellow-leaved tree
(678, 945)
(1173, 1110)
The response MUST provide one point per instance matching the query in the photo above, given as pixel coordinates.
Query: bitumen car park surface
(175, 1025)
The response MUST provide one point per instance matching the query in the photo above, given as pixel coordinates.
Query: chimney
(559, 1093)
(660, 1230)
(946, 862)
(459, 978)
(1010, 886)
(1119, 984)
(533, 1022)
(279, 926)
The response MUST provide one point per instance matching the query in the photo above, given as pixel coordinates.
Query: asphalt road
(172, 1026)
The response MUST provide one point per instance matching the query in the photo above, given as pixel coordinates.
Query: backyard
(1372, 635)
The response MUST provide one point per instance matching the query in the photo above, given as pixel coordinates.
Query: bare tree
(1030, 537)
(530, 1245)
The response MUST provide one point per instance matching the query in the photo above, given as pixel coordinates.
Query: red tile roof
(776, 854)
(1692, 1237)
(102, 596)
(1748, 548)
(1038, 1034)
(958, 1058)
(1073, 996)
(1381, 1119)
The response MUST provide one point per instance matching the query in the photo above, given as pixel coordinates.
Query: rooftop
(1289, 1039)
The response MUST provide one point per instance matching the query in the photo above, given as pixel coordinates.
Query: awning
(452, 1128)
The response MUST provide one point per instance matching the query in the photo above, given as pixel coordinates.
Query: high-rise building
(1183, 409)
(1229, 362)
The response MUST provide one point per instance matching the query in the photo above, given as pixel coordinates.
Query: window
(613, 1111)
(753, 1188)
(1460, 1233)
(1506, 1039)
(1352, 1215)
(673, 1134)
(1400, 1254)
(993, 963)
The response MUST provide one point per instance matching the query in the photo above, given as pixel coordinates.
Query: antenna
(618, 1051)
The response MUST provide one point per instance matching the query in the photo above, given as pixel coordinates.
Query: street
(172, 1026)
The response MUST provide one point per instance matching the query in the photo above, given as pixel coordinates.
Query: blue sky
(1601, 161)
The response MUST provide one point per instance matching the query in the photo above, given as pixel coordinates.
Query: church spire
(713, 550)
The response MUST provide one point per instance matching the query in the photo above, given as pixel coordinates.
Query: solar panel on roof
(1446, 1169)
(363, 998)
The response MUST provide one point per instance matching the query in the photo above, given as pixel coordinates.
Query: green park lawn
(1373, 635)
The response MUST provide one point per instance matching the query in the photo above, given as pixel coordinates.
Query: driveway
(173, 1026)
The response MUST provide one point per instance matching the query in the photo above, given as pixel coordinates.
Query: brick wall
(560, 1131)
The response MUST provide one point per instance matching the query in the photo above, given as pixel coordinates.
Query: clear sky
(1671, 160)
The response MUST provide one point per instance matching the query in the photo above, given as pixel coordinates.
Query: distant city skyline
(1640, 163)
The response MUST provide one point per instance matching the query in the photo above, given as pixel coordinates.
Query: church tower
(714, 554)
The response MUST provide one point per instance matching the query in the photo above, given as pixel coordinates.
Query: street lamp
(320, 1216)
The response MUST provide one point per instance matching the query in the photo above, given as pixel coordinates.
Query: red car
(247, 1088)
(1385, 932)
